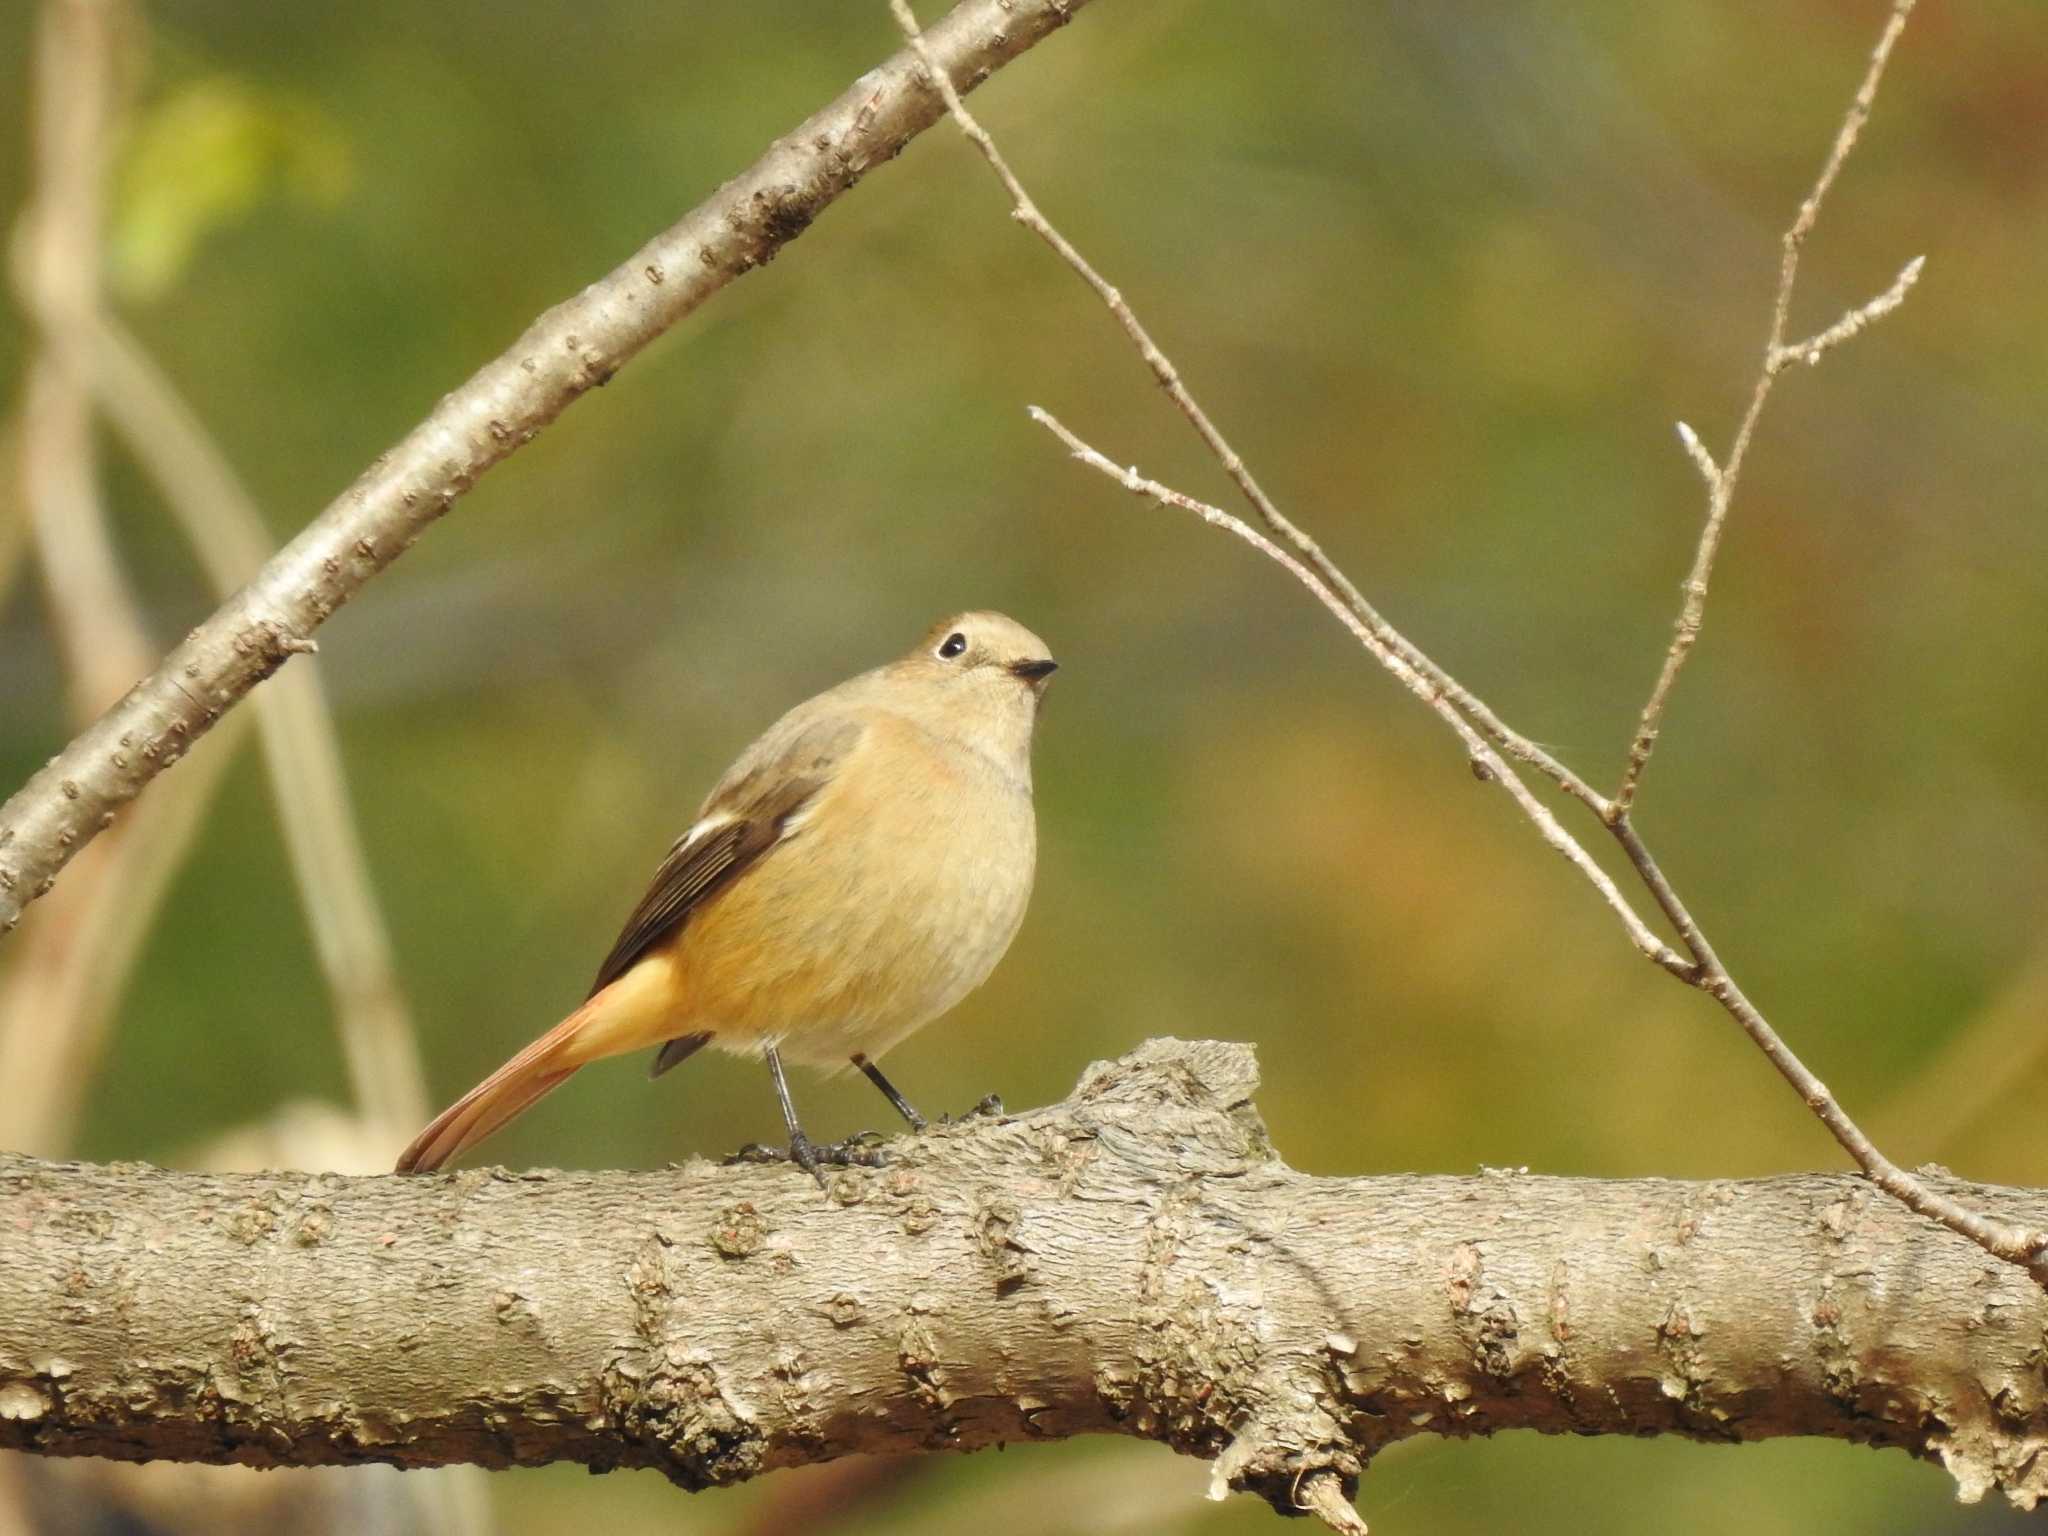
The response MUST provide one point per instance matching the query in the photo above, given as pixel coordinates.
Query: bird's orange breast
(897, 892)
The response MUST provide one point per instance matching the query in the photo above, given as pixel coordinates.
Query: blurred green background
(1447, 273)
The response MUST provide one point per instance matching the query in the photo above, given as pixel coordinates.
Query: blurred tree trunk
(1136, 1260)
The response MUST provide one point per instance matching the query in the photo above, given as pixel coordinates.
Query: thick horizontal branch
(1135, 1260)
(579, 343)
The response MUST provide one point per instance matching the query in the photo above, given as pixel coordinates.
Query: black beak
(1034, 671)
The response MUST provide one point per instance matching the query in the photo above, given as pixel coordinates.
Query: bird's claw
(863, 1149)
(860, 1150)
(989, 1107)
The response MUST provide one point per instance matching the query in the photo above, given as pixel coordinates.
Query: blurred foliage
(208, 152)
(1447, 273)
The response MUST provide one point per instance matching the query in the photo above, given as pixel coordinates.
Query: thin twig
(1471, 719)
(1487, 764)
(1026, 212)
(1702, 460)
(2015, 1244)
(1811, 350)
(2019, 1245)
(1776, 357)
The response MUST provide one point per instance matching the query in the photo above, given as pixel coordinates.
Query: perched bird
(857, 872)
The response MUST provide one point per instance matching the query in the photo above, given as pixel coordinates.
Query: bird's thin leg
(801, 1152)
(903, 1105)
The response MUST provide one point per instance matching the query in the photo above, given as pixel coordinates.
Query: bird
(858, 871)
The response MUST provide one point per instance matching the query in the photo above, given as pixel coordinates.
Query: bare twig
(1486, 762)
(1811, 350)
(1026, 212)
(574, 347)
(1465, 714)
(2015, 1244)
(1776, 357)
(1702, 460)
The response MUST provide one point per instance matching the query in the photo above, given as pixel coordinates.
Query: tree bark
(579, 343)
(1136, 1260)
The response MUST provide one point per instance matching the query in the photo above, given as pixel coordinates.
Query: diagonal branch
(2015, 1244)
(1776, 357)
(1486, 764)
(572, 348)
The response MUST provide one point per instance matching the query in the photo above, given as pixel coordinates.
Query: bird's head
(986, 673)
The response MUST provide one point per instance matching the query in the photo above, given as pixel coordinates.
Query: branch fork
(1478, 728)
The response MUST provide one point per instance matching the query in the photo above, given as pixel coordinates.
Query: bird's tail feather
(508, 1092)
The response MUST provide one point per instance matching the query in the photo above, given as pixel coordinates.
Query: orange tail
(508, 1092)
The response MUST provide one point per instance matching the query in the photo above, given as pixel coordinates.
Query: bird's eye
(952, 645)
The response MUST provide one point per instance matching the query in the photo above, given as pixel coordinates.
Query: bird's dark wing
(771, 783)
